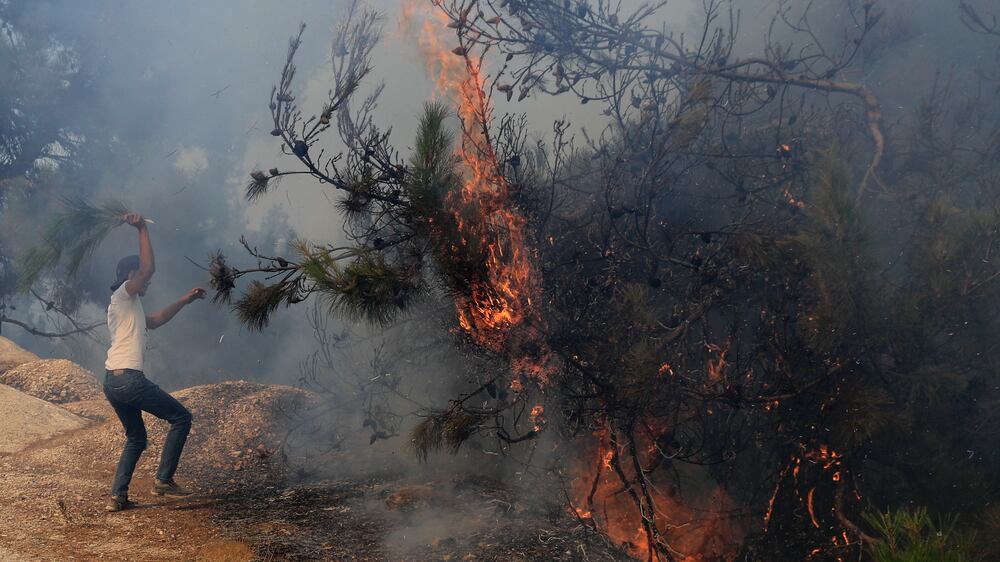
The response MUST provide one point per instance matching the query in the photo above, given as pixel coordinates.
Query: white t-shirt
(127, 324)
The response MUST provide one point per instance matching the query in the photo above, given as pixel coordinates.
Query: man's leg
(164, 406)
(135, 444)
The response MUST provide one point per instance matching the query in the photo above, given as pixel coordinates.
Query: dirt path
(52, 497)
(52, 508)
(389, 518)
(52, 493)
(57, 461)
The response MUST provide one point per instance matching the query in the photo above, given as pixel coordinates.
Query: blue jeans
(130, 394)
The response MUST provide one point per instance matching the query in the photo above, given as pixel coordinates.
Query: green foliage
(368, 288)
(641, 356)
(259, 301)
(754, 248)
(72, 237)
(860, 414)
(432, 165)
(834, 246)
(433, 176)
(912, 535)
(370, 282)
(952, 253)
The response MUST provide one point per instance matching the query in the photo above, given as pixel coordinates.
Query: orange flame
(695, 530)
(715, 367)
(497, 312)
(536, 416)
(774, 495)
(809, 504)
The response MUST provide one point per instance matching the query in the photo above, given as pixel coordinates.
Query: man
(125, 385)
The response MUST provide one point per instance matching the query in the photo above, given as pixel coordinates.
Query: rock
(12, 355)
(238, 426)
(54, 380)
(27, 419)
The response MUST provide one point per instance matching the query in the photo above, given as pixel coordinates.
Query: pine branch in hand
(71, 238)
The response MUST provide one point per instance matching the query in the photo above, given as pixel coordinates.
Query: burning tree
(697, 304)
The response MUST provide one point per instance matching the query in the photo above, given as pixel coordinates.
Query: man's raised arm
(147, 265)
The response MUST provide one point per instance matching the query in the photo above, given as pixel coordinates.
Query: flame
(793, 201)
(497, 311)
(824, 455)
(536, 416)
(695, 529)
(774, 496)
(809, 504)
(715, 367)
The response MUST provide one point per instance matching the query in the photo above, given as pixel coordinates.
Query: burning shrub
(694, 297)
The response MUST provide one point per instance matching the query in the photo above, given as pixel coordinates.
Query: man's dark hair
(126, 265)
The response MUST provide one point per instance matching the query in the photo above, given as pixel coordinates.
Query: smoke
(182, 92)
(181, 89)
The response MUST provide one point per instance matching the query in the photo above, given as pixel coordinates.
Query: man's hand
(193, 295)
(136, 220)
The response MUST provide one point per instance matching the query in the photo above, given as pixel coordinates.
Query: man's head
(128, 267)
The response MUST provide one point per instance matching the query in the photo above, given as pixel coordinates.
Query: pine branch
(42, 333)
(72, 237)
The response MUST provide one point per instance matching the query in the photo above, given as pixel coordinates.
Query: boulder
(27, 419)
(12, 355)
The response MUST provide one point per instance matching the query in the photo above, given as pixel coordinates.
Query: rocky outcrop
(12, 355)
(27, 419)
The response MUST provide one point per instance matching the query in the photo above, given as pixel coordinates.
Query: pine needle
(223, 278)
(259, 302)
(433, 167)
(449, 428)
(260, 183)
(71, 238)
(368, 288)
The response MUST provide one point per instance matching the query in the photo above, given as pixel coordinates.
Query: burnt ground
(53, 492)
(385, 519)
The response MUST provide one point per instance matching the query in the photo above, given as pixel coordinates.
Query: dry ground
(52, 495)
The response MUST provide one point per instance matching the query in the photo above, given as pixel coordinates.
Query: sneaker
(170, 489)
(118, 504)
